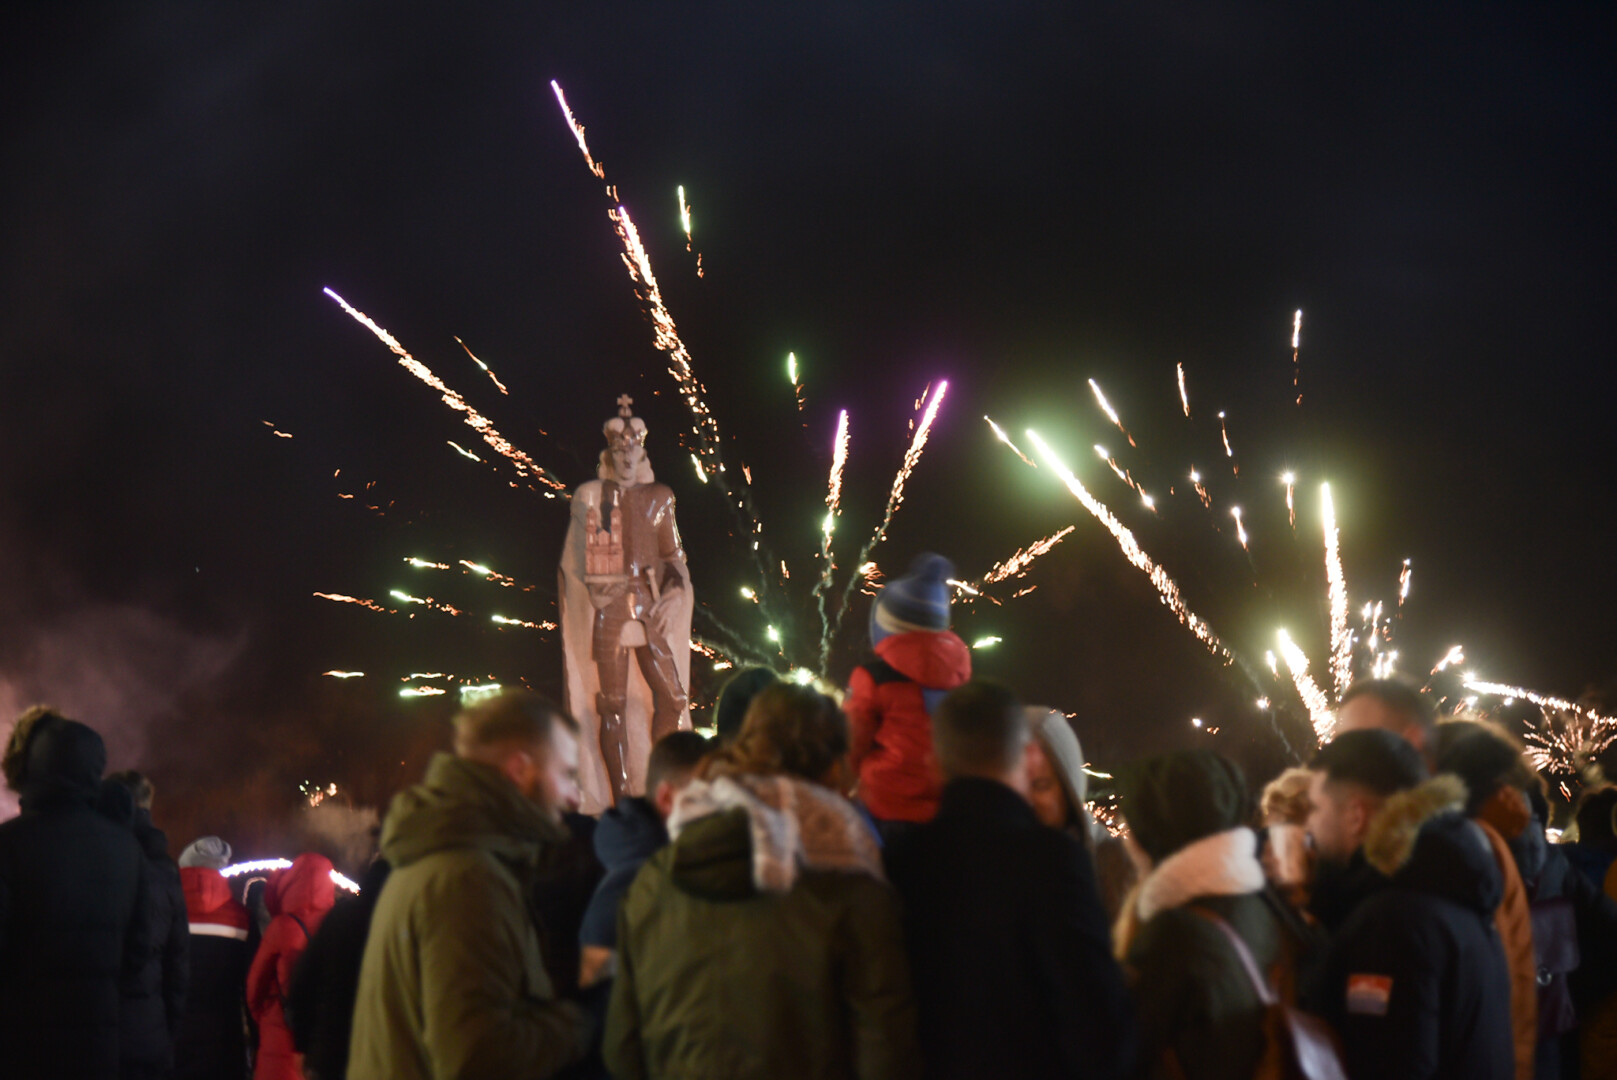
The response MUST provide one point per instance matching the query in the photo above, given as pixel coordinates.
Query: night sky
(1015, 197)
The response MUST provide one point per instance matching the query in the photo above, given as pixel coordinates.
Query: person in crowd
(325, 984)
(1574, 923)
(627, 836)
(154, 994)
(1058, 789)
(72, 906)
(1008, 944)
(1285, 855)
(210, 1042)
(453, 981)
(891, 698)
(1200, 1014)
(1397, 706)
(1414, 981)
(564, 885)
(763, 940)
(734, 699)
(1594, 852)
(298, 898)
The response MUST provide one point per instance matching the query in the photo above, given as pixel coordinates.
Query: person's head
(1056, 784)
(1285, 798)
(672, 763)
(918, 601)
(140, 787)
(1352, 776)
(734, 700)
(1501, 787)
(1174, 799)
(788, 729)
(530, 741)
(980, 729)
(15, 763)
(208, 851)
(1388, 705)
(1596, 816)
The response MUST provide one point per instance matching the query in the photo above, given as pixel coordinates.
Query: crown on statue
(625, 427)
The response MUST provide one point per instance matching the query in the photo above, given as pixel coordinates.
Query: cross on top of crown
(624, 401)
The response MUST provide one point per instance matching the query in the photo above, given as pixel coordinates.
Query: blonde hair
(1285, 798)
(15, 763)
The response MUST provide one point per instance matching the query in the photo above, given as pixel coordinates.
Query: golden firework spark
(524, 623)
(495, 379)
(1296, 368)
(999, 433)
(1455, 655)
(1184, 397)
(1336, 581)
(475, 420)
(1240, 527)
(839, 461)
(1289, 478)
(1111, 413)
(361, 601)
(1224, 430)
(278, 433)
(344, 674)
(795, 376)
(1403, 583)
(1314, 699)
(578, 131)
(1018, 563)
(462, 451)
(912, 458)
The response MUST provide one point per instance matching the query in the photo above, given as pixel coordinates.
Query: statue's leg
(610, 704)
(667, 693)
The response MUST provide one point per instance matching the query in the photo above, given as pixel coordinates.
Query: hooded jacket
(742, 952)
(72, 914)
(209, 1041)
(326, 983)
(298, 899)
(453, 982)
(1415, 980)
(890, 722)
(154, 993)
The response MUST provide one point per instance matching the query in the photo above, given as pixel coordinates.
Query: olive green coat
(716, 979)
(453, 985)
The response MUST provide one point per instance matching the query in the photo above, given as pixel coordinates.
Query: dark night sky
(1017, 197)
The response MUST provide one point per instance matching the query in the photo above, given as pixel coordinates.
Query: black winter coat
(154, 993)
(1010, 953)
(72, 915)
(320, 1003)
(1415, 980)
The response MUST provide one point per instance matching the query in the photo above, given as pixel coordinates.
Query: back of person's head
(1391, 704)
(788, 729)
(141, 789)
(1285, 798)
(1379, 761)
(674, 759)
(15, 763)
(1174, 799)
(61, 757)
(735, 699)
(1487, 758)
(512, 719)
(1596, 816)
(979, 729)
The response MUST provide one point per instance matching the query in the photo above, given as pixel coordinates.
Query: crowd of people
(911, 885)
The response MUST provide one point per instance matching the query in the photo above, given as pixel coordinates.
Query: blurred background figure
(210, 1042)
(297, 899)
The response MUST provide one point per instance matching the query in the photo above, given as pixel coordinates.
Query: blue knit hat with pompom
(917, 601)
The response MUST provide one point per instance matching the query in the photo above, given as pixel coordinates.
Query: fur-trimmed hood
(1223, 864)
(1421, 841)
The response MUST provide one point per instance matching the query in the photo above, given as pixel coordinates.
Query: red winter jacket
(891, 730)
(302, 893)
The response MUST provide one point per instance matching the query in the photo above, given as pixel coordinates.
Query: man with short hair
(1415, 980)
(1390, 705)
(1009, 949)
(453, 982)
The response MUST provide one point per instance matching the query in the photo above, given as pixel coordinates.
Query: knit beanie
(917, 601)
(1060, 744)
(209, 851)
(1177, 798)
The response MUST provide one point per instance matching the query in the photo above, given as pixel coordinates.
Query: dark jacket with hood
(210, 1043)
(1415, 980)
(453, 982)
(627, 836)
(298, 898)
(890, 722)
(723, 973)
(1008, 944)
(154, 992)
(72, 914)
(326, 982)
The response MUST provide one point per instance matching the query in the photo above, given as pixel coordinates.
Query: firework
(1455, 655)
(1296, 368)
(1017, 564)
(495, 379)
(839, 461)
(344, 674)
(1403, 583)
(1201, 490)
(1240, 527)
(999, 433)
(577, 130)
(986, 642)
(275, 431)
(424, 601)
(475, 420)
(1223, 429)
(1341, 640)
(1318, 705)
(462, 451)
(361, 601)
(423, 564)
(501, 620)
(1111, 413)
(1184, 397)
(1290, 480)
(794, 376)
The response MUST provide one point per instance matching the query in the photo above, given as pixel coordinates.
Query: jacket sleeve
(863, 715)
(176, 952)
(620, 1046)
(876, 988)
(1080, 978)
(480, 1019)
(263, 990)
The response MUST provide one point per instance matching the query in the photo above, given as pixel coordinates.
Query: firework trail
(1403, 584)
(578, 132)
(344, 674)
(1290, 480)
(833, 509)
(475, 420)
(1296, 368)
(1111, 413)
(424, 601)
(1240, 528)
(999, 433)
(1224, 430)
(501, 620)
(1314, 699)
(1341, 640)
(423, 564)
(1184, 397)
(797, 383)
(1201, 490)
(1017, 564)
(462, 451)
(685, 223)
(362, 602)
(495, 379)
(1455, 655)
(839, 461)
(276, 431)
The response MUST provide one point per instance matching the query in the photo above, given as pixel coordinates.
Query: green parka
(453, 986)
(717, 979)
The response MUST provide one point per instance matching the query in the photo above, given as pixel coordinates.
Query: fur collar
(1390, 839)
(1224, 864)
